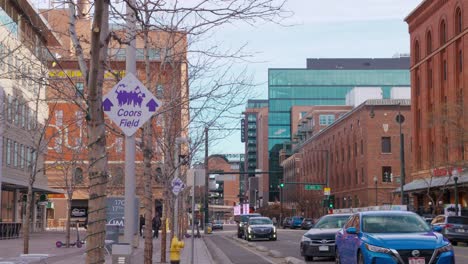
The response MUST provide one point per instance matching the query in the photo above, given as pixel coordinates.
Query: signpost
(326, 191)
(129, 104)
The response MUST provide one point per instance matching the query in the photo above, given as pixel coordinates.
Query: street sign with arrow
(129, 104)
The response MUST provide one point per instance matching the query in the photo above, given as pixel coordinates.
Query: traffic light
(281, 184)
(331, 201)
(325, 202)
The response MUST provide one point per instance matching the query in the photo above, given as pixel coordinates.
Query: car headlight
(445, 248)
(378, 249)
(305, 239)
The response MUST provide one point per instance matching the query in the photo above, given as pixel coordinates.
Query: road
(287, 244)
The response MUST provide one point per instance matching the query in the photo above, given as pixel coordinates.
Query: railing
(9, 230)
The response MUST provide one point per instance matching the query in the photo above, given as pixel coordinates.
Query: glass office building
(323, 82)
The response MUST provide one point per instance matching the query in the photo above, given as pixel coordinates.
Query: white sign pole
(2, 120)
(130, 146)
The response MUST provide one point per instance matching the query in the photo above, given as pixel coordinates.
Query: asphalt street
(287, 244)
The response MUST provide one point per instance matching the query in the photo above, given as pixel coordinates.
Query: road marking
(253, 251)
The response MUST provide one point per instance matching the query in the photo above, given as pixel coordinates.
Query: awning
(15, 184)
(440, 181)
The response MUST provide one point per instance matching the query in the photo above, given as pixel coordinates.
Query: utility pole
(205, 207)
(400, 119)
(130, 146)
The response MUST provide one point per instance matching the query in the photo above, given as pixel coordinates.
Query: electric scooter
(78, 243)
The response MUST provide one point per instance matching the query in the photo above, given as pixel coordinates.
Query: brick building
(67, 152)
(361, 145)
(438, 75)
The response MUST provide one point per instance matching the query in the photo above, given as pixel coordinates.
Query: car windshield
(332, 221)
(260, 221)
(457, 220)
(394, 223)
(245, 218)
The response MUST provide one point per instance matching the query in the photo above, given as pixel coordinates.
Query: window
(79, 89)
(78, 176)
(460, 61)
(416, 51)
(443, 33)
(386, 174)
(159, 90)
(362, 147)
(445, 70)
(325, 120)
(58, 117)
(458, 21)
(15, 154)
(429, 77)
(8, 152)
(429, 43)
(22, 157)
(386, 145)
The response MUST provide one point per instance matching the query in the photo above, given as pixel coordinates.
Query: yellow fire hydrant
(174, 252)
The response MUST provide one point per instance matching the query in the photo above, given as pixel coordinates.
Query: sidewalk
(44, 243)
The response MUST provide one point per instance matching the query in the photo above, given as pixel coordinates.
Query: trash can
(121, 253)
(112, 236)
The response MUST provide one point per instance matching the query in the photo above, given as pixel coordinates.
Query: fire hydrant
(174, 252)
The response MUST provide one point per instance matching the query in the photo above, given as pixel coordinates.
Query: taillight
(448, 225)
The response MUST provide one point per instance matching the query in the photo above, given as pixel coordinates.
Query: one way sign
(129, 104)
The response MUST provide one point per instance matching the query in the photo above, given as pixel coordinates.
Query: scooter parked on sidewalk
(78, 243)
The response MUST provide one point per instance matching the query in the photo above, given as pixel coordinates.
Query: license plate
(417, 261)
(460, 230)
(323, 248)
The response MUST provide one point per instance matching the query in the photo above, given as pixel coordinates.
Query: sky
(320, 29)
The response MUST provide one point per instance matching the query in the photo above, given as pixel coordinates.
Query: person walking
(156, 225)
(274, 221)
(142, 223)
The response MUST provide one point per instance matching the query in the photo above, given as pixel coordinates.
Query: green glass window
(279, 132)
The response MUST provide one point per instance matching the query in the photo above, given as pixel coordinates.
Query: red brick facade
(355, 156)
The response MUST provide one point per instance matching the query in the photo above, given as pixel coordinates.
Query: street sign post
(129, 104)
(177, 186)
(312, 187)
(326, 191)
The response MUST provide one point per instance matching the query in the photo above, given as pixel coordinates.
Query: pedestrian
(156, 225)
(142, 223)
(274, 221)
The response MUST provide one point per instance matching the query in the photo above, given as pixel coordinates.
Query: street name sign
(326, 191)
(312, 187)
(177, 185)
(130, 104)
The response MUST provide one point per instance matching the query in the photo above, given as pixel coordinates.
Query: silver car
(454, 228)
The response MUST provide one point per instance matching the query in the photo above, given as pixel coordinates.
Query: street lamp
(375, 182)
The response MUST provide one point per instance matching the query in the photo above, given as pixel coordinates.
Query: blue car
(296, 221)
(389, 237)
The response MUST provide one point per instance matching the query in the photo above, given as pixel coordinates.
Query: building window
(362, 147)
(458, 21)
(386, 174)
(8, 152)
(78, 176)
(59, 118)
(22, 157)
(445, 70)
(429, 78)
(460, 61)
(429, 43)
(79, 89)
(362, 175)
(356, 177)
(416, 51)
(325, 120)
(386, 145)
(15, 154)
(443, 33)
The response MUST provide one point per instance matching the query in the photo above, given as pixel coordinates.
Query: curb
(215, 253)
(292, 260)
(275, 254)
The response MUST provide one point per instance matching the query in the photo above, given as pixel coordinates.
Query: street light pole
(456, 194)
(205, 207)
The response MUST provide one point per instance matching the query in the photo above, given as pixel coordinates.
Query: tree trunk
(97, 137)
(68, 221)
(27, 220)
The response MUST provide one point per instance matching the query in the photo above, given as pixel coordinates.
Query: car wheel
(360, 258)
(337, 257)
(454, 243)
(308, 258)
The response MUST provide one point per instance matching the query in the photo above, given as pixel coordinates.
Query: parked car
(241, 220)
(217, 224)
(307, 223)
(287, 222)
(296, 221)
(260, 228)
(319, 241)
(455, 228)
(428, 217)
(391, 237)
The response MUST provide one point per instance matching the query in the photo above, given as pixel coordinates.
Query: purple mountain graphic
(134, 97)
